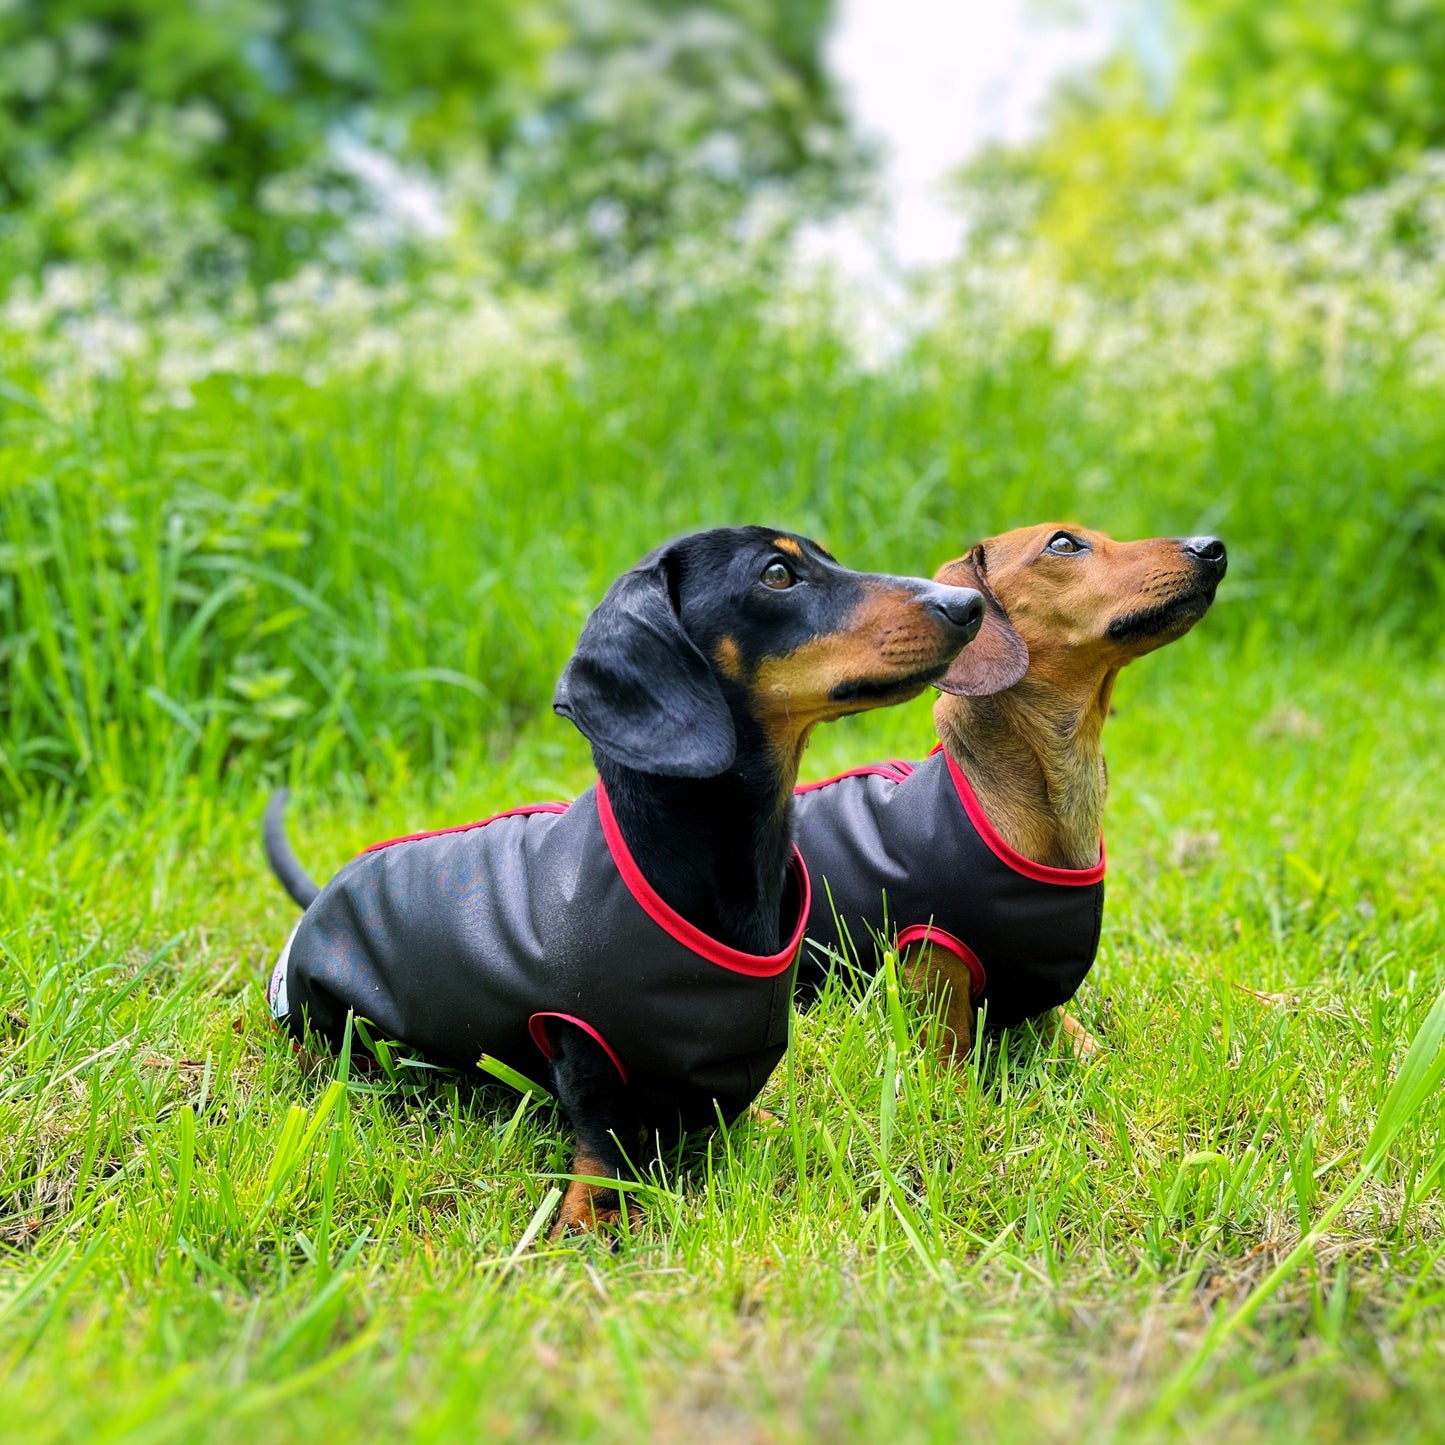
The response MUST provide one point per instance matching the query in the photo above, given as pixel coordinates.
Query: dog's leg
(945, 981)
(948, 985)
(610, 1139)
(1077, 1039)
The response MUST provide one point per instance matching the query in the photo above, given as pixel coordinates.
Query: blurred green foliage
(1335, 94)
(663, 121)
(215, 142)
(1305, 103)
(194, 107)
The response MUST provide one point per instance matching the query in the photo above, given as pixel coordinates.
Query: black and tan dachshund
(643, 938)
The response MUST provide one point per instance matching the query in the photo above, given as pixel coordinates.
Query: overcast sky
(936, 79)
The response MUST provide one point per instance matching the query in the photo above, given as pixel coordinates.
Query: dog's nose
(962, 606)
(1209, 550)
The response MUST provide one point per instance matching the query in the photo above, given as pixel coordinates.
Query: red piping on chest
(522, 812)
(1011, 857)
(677, 927)
(895, 772)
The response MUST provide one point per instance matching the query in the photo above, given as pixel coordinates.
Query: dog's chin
(1157, 625)
(860, 693)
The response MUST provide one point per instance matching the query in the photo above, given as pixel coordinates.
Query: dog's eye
(778, 576)
(1063, 544)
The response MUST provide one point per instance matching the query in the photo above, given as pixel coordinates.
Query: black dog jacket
(462, 942)
(901, 849)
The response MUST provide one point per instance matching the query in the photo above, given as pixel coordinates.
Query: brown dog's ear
(998, 657)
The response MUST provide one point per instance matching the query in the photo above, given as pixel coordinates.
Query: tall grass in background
(334, 577)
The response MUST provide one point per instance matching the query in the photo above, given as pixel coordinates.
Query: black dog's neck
(715, 849)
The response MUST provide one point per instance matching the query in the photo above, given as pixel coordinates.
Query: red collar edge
(1010, 857)
(677, 927)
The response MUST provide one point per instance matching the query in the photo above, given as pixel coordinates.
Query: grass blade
(1418, 1079)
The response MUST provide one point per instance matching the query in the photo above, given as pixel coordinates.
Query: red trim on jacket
(940, 938)
(522, 812)
(1011, 857)
(539, 1036)
(895, 772)
(676, 926)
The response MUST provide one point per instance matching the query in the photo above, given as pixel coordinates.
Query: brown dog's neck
(1036, 763)
(715, 849)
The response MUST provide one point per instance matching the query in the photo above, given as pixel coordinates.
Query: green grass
(351, 580)
(1032, 1249)
(204, 1235)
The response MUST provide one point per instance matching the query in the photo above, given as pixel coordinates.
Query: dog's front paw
(1077, 1039)
(594, 1209)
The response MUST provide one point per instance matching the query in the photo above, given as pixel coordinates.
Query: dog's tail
(284, 863)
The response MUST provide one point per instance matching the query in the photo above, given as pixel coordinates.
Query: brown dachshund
(986, 861)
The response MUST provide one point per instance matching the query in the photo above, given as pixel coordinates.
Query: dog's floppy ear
(998, 657)
(639, 690)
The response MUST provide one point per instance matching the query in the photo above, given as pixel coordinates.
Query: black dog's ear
(998, 657)
(639, 690)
